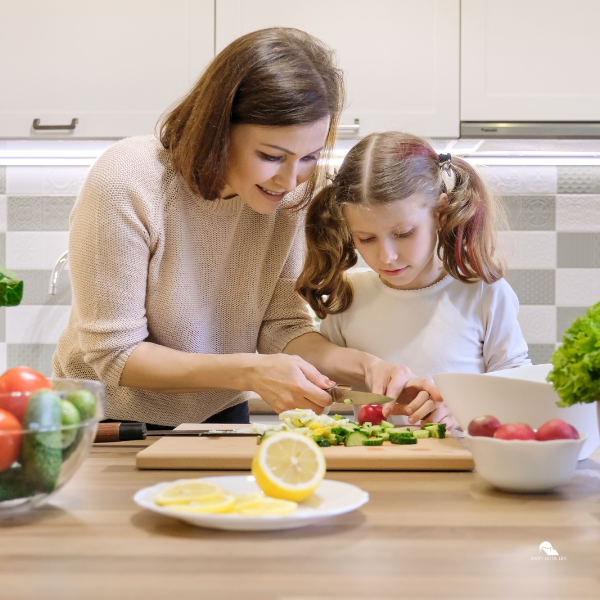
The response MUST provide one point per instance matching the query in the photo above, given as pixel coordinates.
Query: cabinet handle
(350, 128)
(38, 127)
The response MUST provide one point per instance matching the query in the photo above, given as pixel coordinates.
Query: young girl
(435, 299)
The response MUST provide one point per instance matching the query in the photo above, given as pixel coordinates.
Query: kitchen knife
(123, 432)
(341, 393)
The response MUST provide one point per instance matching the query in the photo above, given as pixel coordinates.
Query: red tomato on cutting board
(24, 380)
(10, 439)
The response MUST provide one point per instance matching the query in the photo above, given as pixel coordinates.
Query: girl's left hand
(414, 396)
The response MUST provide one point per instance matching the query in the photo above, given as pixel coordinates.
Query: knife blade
(341, 393)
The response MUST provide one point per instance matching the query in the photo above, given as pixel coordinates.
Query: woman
(184, 252)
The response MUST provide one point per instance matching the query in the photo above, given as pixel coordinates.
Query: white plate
(331, 498)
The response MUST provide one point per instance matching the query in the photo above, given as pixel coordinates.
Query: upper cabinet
(401, 57)
(530, 60)
(112, 66)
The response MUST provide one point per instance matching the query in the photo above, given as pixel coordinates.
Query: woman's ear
(441, 203)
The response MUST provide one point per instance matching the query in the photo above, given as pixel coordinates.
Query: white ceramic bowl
(525, 466)
(519, 395)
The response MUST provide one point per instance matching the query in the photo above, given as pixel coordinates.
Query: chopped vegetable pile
(337, 430)
(576, 372)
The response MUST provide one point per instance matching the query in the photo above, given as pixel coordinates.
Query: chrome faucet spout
(58, 267)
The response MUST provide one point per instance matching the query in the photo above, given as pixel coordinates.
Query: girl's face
(266, 163)
(398, 241)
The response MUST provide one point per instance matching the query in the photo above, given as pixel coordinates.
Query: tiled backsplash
(553, 251)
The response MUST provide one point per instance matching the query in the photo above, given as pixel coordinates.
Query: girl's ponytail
(323, 282)
(468, 222)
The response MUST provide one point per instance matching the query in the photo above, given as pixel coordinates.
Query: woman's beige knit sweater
(150, 261)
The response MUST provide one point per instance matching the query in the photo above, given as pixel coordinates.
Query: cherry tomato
(371, 413)
(24, 380)
(10, 439)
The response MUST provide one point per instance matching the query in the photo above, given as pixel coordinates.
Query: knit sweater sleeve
(287, 316)
(109, 249)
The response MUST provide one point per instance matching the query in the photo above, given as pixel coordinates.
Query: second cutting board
(235, 454)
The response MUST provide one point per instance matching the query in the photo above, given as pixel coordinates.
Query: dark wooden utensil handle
(120, 432)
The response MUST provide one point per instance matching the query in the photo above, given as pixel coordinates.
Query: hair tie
(447, 171)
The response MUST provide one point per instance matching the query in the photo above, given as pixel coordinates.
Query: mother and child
(187, 253)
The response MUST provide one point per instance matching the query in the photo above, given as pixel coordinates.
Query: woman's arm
(284, 382)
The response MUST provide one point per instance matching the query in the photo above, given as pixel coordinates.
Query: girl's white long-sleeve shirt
(450, 326)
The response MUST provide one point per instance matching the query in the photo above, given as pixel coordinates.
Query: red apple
(370, 413)
(485, 426)
(514, 431)
(556, 429)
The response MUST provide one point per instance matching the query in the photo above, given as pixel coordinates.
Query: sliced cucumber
(421, 434)
(378, 441)
(332, 439)
(318, 438)
(401, 435)
(338, 417)
(402, 441)
(437, 426)
(386, 425)
(355, 439)
(437, 433)
(398, 429)
(376, 429)
(385, 436)
(322, 443)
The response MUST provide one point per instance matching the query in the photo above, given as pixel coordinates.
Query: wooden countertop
(422, 535)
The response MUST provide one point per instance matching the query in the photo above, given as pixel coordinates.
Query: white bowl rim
(582, 438)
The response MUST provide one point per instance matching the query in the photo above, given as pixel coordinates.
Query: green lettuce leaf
(11, 288)
(576, 364)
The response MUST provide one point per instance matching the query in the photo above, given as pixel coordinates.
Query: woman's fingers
(388, 409)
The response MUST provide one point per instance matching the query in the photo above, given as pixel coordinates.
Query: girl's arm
(504, 346)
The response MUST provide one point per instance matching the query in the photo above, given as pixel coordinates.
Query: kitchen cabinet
(114, 65)
(530, 60)
(401, 57)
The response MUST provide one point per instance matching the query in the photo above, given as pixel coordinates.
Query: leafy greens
(576, 372)
(11, 288)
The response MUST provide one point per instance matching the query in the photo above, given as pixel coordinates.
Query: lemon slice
(288, 466)
(190, 490)
(249, 499)
(224, 504)
(266, 506)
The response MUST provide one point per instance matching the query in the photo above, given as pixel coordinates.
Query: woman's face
(266, 163)
(398, 241)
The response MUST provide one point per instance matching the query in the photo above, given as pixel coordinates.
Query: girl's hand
(414, 396)
(443, 415)
(286, 382)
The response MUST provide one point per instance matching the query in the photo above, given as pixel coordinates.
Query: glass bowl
(48, 456)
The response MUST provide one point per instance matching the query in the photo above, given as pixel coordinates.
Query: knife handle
(120, 432)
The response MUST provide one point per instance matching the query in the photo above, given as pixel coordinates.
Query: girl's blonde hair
(383, 168)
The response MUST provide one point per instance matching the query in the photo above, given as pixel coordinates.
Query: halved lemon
(190, 490)
(288, 466)
(222, 505)
(267, 506)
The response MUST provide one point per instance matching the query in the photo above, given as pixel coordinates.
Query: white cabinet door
(115, 65)
(401, 57)
(530, 60)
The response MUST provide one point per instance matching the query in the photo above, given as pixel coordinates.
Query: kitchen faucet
(58, 267)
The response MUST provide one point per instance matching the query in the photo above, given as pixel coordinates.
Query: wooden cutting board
(236, 453)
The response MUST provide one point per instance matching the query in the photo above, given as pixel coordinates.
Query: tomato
(10, 439)
(24, 380)
(371, 413)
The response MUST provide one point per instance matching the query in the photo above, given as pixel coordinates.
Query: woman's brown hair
(273, 77)
(383, 168)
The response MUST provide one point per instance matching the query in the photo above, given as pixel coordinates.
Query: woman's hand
(442, 414)
(415, 397)
(287, 381)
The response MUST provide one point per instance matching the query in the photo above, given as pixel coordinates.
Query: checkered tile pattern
(552, 248)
